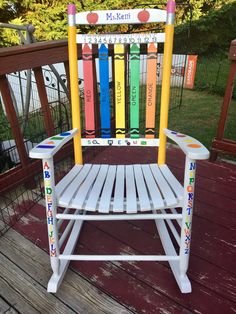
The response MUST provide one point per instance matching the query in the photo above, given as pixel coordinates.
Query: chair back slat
(104, 91)
(119, 60)
(134, 90)
(127, 78)
(89, 98)
(151, 90)
(134, 16)
(133, 38)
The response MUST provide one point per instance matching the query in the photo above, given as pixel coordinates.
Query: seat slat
(105, 200)
(147, 187)
(153, 188)
(82, 192)
(131, 198)
(69, 177)
(143, 197)
(69, 192)
(91, 203)
(118, 204)
(163, 185)
(174, 183)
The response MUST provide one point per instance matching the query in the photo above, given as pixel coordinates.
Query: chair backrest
(118, 56)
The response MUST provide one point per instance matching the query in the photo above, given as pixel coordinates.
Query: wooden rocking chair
(116, 192)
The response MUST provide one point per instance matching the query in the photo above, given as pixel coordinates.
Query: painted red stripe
(88, 89)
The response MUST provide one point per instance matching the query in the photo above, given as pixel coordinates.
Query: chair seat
(122, 188)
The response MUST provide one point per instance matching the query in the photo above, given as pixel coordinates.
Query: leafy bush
(209, 34)
(212, 74)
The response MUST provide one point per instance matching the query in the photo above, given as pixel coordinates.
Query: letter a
(45, 166)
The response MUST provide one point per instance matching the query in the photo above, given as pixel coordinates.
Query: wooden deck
(130, 287)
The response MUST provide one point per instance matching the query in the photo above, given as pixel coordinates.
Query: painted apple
(143, 16)
(92, 18)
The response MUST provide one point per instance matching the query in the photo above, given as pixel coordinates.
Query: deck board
(146, 243)
(24, 293)
(109, 276)
(147, 287)
(25, 267)
(6, 308)
(156, 275)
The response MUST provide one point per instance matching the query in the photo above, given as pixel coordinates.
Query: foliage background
(211, 23)
(203, 27)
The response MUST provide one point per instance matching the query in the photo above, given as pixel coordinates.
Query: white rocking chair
(116, 192)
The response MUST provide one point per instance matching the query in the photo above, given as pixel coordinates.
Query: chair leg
(187, 213)
(51, 211)
(182, 281)
(57, 278)
(53, 245)
(53, 241)
(184, 250)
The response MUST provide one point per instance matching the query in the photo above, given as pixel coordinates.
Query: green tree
(194, 9)
(49, 16)
(210, 34)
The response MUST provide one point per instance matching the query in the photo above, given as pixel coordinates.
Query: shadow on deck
(130, 287)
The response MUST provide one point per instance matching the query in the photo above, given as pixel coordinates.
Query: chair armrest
(51, 145)
(192, 148)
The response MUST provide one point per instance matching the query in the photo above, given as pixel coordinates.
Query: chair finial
(71, 9)
(171, 6)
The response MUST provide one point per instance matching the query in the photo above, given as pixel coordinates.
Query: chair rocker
(116, 192)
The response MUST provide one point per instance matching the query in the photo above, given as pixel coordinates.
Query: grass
(35, 129)
(212, 73)
(199, 116)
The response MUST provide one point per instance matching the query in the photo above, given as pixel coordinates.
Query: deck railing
(22, 58)
(15, 199)
(34, 57)
(31, 58)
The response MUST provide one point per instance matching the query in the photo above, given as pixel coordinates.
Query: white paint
(86, 189)
(120, 38)
(120, 16)
(145, 142)
(199, 153)
(91, 217)
(119, 257)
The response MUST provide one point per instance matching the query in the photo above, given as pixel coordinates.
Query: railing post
(44, 101)
(220, 143)
(67, 70)
(13, 120)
